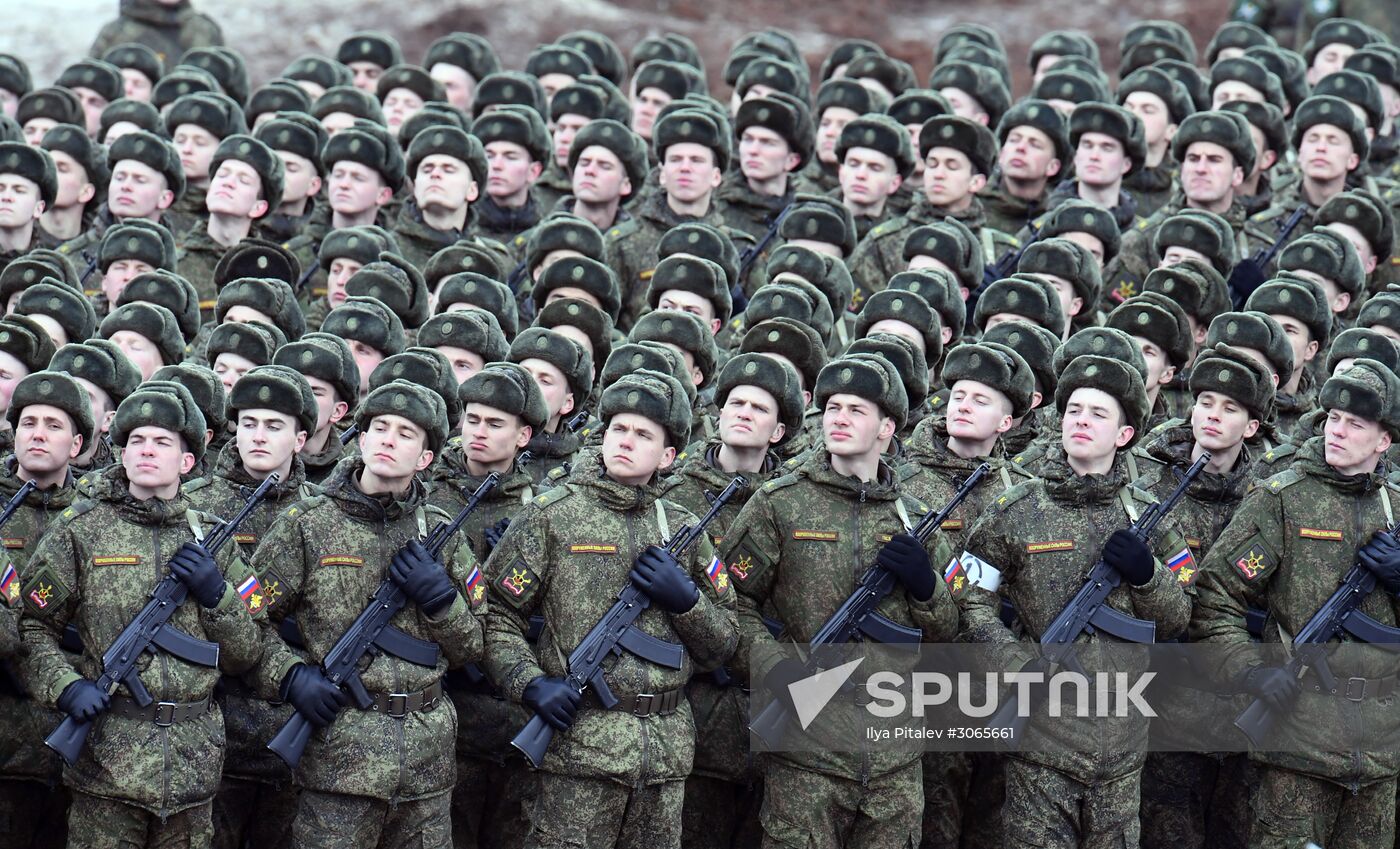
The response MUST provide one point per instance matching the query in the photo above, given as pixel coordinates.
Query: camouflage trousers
(596, 813)
(1047, 809)
(491, 803)
(808, 810)
(963, 795)
(338, 821)
(1195, 801)
(720, 814)
(253, 814)
(1291, 808)
(33, 815)
(98, 823)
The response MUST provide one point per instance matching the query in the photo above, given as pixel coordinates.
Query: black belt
(399, 705)
(1358, 689)
(646, 704)
(163, 714)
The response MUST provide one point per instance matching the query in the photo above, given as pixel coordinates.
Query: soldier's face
(1070, 303)
(679, 300)
(1043, 66)
(1157, 127)
(459, 85)
(1329, 59)
(1160, 371)
(35, 128)
(1326, 153)
(267, 440)
(1093, 426)
(1088, 241)
(9, 102)
(1100, 160)
(154, 459)
(689, 172)
(635, 449)
(491, 436)
(137, 190)
(136, 85)
(551, 83)
(902, 329)
(1364, 251)
(120, 273)
(834, 120)
(914, 130)
(977, 412)
(1352, 444)
(646, 105)
(73, 185)
(93, 104)
(196, 147)
(103, 409)
(45, 440)
(357, 188)
(443, 183)
(765, 155)
(367, 75)
(1209, 174)
(1178, 253)
(853, 426)
(1219, 422)
(236, 191)
(572, 293)
(141, 351)
(558, 397)
(965, 105)
(366, 358)
(230, 367)
(1230, 91)
(19, 201)
(565, 129)
(1299, 339)
(330, 407)
(12, 371)
(400, 104)
(868, 177)
(1028, 154)
(301, 181)
(511, 172)
(949, 179)
(749, 418)
(394, 448)
(341, 270)
(599, 176)
(464, 363)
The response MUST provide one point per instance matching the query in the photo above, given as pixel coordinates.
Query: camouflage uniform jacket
(189, 214)
(450, 485)
(565, 557)
(493, 223)
(881, 255)
(201, 257)
(550, 451)
(95, 568)
(1123, 277)
(418, 241)
(553, 185)
(1007, 212)
(83, 251)
(1290, 410)
(321, 561)
(1044, 537)
(799, 547)
(747, 210)
(168, 29)
(1210, 501)
(1291, 541)
(1151, 186)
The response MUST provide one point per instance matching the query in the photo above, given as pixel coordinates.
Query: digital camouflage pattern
(95, 569)
(320, 561)
(168, 29)
(1124, 275)
(748, 211)
(201, 256)
(418, 241)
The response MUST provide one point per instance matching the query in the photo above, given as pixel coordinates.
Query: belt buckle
(1360, 689)
(643, 699)
(398, 705)
(165, 714)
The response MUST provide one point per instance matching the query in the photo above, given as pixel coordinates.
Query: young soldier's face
(965, 105)
(749, 418)
(868, 176)
(1088, 241)
(230, 367)
(9, 102)
(1364, 251)
(853, 426)
(976, 411)
(1230, 91)
(1209, 173)
(330, 407)
(1094, 425)
(948, 177)
(1329, 59)
(464, 363)
(1028, 154)
(93, 104)
(765, 155)
(1350, 441)
(558, 397)
(1160, 371)
(1100, 160)
(599, 176)
(1219, 422)
(1299, 338)
(689, 172)
(400, 104)
(52, 328)
(103, 408)
(73, 185)
(196, 147)
(394, 448)
(45, 440)
(341, 270)
(136, 85)
(356, 188)
(1177, 253)
(1336, 298)
(571, 293)
(490, 435)
(443, 183)
(634, 449)
(366, 358)
(141, 351)
(236, 191)
(367, 75)
(137, 190)
(267, 440)
(646, 105)
(1326, 153)
(302, 180)
(1156, 117)
(902, 329)
(154, 458)
(512, 172)
(35, 128)
(19, 201)
(243, 314)
(457, 83)
(565, 129)
(679, 300)
(834, 120)
(1070, 303)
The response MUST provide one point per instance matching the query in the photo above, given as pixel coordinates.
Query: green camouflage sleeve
(514, 574)
(230, 623)
(975, 581)
(1162, 599)
(49, 605)
(459, 630)
(710, 629)
(938, 615)
(751, 550)
(280, 564)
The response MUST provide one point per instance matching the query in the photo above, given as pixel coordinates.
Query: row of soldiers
(617, 303)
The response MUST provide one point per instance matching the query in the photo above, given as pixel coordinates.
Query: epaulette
(1142, 225)
(1140, 494)
(905, 471)
(1012, 495)
(1278, 453)
(559, 493)
(520, 241)
(305, 506)
(76, 509)
(781, 482)
(623, 228)
(558, 473)
(195, 485)
(1283, 480)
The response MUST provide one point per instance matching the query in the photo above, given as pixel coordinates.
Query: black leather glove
(494, 533)
(904, 555)
(83, 700)
(1130, 556)
(422, 578)
(1382, 557)
(308, 690)
(554, 700)
(196, 569)
(1275, 685)
(1245, 277)
(781, 677)
(660, 576)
